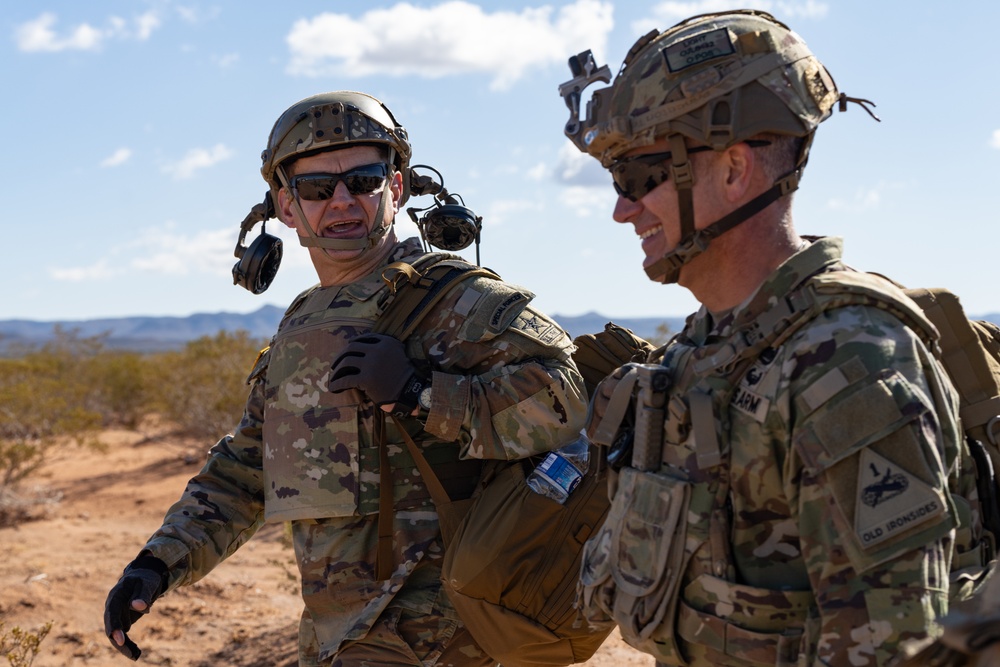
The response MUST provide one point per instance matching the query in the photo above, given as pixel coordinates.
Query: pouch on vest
(632, 567)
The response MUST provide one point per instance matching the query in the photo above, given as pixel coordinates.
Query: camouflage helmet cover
(717, 79)
(334, 120)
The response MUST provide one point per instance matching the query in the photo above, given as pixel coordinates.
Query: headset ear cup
(451, 227)
(259, 263)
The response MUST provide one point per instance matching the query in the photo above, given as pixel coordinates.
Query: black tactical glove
(377, 365)
(144, 579)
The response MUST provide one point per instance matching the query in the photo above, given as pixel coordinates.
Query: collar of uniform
(365, 288)
(817, 255)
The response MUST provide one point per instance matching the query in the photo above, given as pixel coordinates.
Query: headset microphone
(259, 262)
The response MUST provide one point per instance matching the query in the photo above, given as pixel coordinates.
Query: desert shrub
(21, 646)
(44, 403)
(122, 387)
(202, 388)
(65, 391)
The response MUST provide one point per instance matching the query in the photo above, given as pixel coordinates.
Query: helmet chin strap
(693, 242)
(364, 243)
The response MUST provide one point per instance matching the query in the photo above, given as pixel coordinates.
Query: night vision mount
(446, 224)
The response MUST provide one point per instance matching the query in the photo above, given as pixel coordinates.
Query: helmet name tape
(698, 49)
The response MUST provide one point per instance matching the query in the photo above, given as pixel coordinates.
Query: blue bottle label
(560, 472)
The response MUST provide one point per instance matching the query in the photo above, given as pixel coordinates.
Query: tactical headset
(446, 224)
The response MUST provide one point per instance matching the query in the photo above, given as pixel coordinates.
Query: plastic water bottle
(561, 470)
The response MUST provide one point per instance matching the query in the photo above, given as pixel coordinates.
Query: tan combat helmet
(329, 121)
(717, 79)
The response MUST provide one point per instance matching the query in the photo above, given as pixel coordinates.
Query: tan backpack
(512, 557)
(970, 354)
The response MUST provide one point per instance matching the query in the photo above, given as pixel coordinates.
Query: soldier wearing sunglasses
(484, 376)
(793, 486)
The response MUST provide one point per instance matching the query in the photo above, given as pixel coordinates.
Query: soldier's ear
(739, 164)
(284, 210)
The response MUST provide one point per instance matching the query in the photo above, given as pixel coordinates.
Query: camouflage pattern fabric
(802, 512)
(505, 387)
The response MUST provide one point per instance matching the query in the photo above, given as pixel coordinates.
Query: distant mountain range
(157, 334)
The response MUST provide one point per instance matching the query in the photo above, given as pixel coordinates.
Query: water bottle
(561, 470)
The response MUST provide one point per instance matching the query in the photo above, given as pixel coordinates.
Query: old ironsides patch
(890, 500)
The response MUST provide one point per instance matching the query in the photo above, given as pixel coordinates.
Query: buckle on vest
(399, 273)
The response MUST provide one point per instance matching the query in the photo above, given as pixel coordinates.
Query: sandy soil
(60, 567)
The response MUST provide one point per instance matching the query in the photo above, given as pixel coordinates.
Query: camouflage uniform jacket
(820, 526)
(504, 387)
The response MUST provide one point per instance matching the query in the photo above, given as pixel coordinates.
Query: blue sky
(133, 132)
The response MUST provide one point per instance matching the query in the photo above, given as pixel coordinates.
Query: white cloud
(666, 14)
(864, 200)
(145, 25)
(539, 172)
(576, 168)
(587, 201)
(39, 35)
(197, 158)
(119, 157)
(501, 210)
(227, 60)
(100, 270)
(454, 37)
(163, 250)
(995, 140)
(166, 251)
(197, 15)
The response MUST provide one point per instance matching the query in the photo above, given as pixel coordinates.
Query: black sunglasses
(635, 177)
(361, 180)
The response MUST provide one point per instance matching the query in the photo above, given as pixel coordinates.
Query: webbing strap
(383, 557)
(682, 173)
(438, 494)
(780, 650)
(412, 293)
(614, 413)
(693, 243)
(703, 424)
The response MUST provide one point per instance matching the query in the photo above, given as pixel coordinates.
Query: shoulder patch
(536, 326)
(890, 500)
(498, 305)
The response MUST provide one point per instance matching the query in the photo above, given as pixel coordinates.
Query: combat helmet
(717, 79)
(329, 121)
(334, 120)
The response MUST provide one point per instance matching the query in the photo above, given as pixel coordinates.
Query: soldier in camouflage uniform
(794, 487)
(484, 376)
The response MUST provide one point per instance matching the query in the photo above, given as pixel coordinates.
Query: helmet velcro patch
(698, 49)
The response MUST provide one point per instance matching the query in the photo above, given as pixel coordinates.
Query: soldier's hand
(143, 580)
(378, 366)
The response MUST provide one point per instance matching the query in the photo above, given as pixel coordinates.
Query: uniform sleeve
(223, 505)
(869, 478)
(504, 382)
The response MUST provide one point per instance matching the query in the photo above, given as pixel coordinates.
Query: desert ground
(101, 506)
